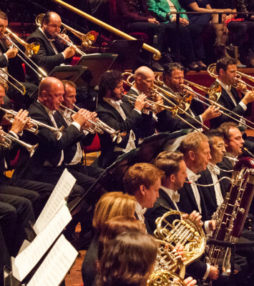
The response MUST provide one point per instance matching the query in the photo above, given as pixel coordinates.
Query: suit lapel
(191, 194)
(110, 108)
(209, 180)
(60, 120)
(42, 109)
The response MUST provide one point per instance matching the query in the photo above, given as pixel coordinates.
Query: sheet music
(28, 258)
(56, 200)
(56, 265)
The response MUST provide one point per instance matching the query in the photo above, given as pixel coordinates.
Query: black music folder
(78, 74)
(97, 64)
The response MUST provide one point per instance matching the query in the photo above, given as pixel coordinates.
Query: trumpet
(182, 105)
(87, 39)
(6, 140)
(31, 49)
(99, 126)
(35, 123)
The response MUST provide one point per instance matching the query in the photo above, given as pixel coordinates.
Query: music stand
(128, 52)
(97, 65)
(78, 74)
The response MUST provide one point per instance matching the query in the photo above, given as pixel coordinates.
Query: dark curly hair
(109, 81)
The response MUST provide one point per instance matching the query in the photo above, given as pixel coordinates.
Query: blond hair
(111, 205)
(192, 142)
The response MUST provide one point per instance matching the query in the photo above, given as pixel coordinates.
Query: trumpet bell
(32, 49)
(32, 149)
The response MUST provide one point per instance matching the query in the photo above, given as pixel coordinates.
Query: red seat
(94, 147)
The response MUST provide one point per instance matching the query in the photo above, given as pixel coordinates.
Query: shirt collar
(139, 209)
(192, 176)
(50, 40)
(49, 112)
(226, 87)
(137, 91)
(213, 169)
(174, 196)
(112, 101)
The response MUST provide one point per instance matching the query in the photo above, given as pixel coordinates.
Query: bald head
(51, 92)
(144, 78)
(51, 24)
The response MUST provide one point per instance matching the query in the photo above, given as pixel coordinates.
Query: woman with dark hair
(128, 260)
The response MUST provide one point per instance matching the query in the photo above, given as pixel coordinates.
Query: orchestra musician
(52, 51)
(143, 181)
(229, 91)
(47, 163)
(119, 115)
(173, 165)
(110, 205)
(173, 78)
(13, 65)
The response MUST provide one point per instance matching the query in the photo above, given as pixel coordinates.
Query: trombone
(35, 123)
(87, 39)
(21, 89)
(31, 49)
(99, 126)
(181, 107)
(6, 140)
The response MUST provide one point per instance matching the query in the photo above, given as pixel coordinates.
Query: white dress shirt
(66, 114)
(140, 211)
(131, 143)
(215, 171)
(174, 196)
(192, 177)
(50, 114)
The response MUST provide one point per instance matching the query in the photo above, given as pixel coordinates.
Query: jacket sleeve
(3, 61)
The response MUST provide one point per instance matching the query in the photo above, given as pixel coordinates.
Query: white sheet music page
(56, 265)
(55, 201)
(27, 259)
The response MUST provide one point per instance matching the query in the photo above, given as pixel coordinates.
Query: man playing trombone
(11, 69)
(52, 51)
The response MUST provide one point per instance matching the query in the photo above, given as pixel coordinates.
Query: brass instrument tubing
(23, 92)
(70, 44)
(25, 61)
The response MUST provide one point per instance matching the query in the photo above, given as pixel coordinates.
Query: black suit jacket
(198, 267)
(49, 148)
(188, 202)
(46, 57)
(70, 151)
(225, 164)
(161, 206)
(111, 117)
(209, 192)
(14, 65)
(227, 102)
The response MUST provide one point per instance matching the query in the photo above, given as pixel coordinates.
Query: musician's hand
(63, 38)
(69, 52)
(11, 53)
(249, 97)
(190, 281)
(29, 125)
(212, 225)
(81, 117)
(20, 121)
(180, 251)
(1, 135)
(158, 108)
(214, 273)
(140, 102)
(184, 22)
(210, 112)
(196, 217)
(241, 87)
